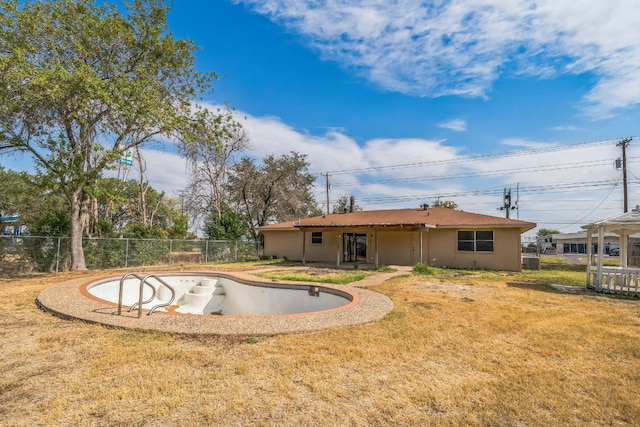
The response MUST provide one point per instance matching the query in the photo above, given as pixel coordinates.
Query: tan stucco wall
(288, 243)
(395, 248)
(283, 244)
(439, 248)
(506, 255)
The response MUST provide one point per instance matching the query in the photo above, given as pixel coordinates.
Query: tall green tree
(81, 82)
(279, 189)
(224, 225)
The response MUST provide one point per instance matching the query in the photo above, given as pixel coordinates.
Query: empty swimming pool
(215, 294)
(250, 305)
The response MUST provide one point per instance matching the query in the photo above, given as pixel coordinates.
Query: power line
(476, 158)
(547, 168)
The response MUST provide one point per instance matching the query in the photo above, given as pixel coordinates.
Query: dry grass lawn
(451, 353)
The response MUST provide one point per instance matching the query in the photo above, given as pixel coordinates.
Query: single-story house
(576, 243)
(440, 237)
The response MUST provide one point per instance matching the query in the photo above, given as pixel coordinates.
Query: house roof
(412, 218)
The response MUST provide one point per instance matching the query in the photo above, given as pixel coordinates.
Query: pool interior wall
(197, 294)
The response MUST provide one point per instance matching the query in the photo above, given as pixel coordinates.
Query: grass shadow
(551, 288)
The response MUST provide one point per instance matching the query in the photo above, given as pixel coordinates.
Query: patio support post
(624, 247)
(589, 256)
(375, 234)
(338, 250)
(304, 247)
(600, 248)
(420, 237)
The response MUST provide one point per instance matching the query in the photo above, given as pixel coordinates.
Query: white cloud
(523, 143)
(554, 182)
(460, 47)
(457, 125)
(569, 128)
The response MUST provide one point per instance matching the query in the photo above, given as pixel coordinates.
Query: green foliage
(148, 252)
(24, 194)
(336, 278)
(42, 253)
(546, 232)
(180, 227)
(449, 204)
(52, 222)
(423, 269)
(140, 231)
(76, 73)
(226, 225)
(104, 253)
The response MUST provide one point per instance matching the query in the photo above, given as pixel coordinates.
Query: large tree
(208, 164)
(277, 190)
(80, 83)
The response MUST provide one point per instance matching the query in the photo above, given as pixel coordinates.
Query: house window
(316, 237)
(475, 241)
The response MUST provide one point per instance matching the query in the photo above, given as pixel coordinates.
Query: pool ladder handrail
(143, 281)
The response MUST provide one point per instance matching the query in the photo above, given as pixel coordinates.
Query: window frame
(314, 237)
(476, 241)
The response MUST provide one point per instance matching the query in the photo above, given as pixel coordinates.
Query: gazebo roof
(628, 222)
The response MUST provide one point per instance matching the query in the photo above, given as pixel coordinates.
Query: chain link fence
(23, 254)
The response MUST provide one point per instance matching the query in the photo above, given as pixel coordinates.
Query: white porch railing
(615, 280)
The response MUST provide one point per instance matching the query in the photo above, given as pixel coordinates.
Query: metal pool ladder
(143, 281)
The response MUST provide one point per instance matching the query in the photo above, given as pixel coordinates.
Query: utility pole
(507, 206)
(326, 175)
(624, 144)
(518, 200)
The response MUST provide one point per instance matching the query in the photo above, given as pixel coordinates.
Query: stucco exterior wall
(327, 251)
(395, 248)
(284, 243)
(506, 255)
(439, 248)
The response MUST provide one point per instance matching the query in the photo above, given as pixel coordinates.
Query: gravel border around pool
(66, 300)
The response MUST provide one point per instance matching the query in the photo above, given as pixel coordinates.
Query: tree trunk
(79, 216)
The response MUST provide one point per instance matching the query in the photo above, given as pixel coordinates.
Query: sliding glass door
(354, 247)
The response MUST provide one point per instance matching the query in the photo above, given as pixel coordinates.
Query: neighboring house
(440, 237)
(576, 243)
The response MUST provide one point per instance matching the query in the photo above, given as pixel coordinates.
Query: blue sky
(405, 101)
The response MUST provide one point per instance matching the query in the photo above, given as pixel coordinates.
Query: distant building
(576, 243)
(10, 225)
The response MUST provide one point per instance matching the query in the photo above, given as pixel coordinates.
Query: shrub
(422, 268)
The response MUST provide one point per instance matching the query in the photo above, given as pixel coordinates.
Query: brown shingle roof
(431, 217)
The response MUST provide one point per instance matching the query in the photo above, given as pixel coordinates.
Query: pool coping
(67, 300)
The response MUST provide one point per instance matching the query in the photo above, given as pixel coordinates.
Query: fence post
(206, 251)
(126, 254)
(58, 256)
(235, 255)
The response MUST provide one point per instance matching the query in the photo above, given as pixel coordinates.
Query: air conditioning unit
(531, 263)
